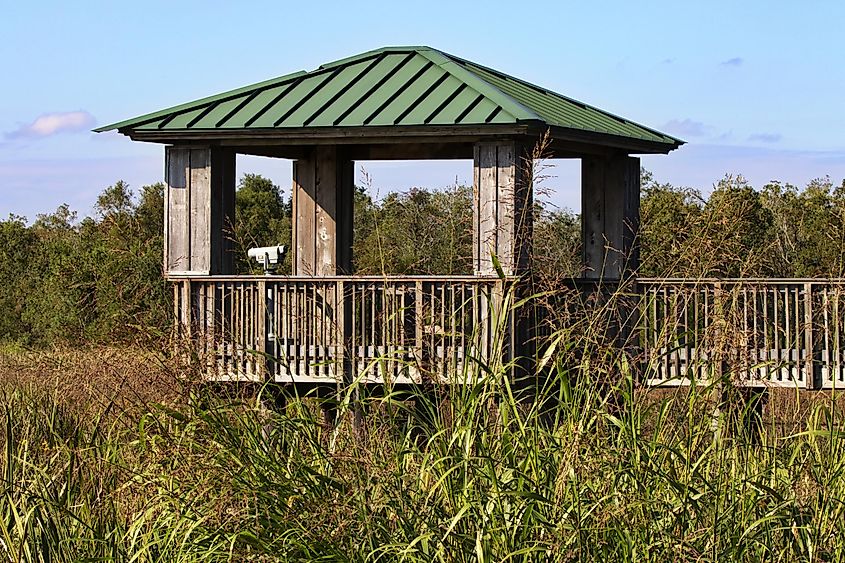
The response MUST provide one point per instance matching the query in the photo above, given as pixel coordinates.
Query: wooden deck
(404, 329)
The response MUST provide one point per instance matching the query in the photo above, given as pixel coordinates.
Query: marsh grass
(116, 456)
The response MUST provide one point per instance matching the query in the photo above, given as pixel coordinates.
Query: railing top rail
(738, 281)
(650, 281)
(332, 279)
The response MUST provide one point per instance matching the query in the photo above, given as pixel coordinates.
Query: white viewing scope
(270, 257)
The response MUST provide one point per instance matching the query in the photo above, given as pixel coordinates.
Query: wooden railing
(412, 329)
(316, 329)
(781, 332)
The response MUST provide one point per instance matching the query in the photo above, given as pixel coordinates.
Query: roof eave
(628, 144)
(371, 134)
(306, 135)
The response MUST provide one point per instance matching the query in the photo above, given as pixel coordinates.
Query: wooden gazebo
(323, 324)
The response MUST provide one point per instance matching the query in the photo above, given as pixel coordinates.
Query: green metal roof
(393, 86)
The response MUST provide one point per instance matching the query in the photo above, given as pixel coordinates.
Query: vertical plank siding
(502, 200)
(610, 200)
(323, 187)
(199, 210)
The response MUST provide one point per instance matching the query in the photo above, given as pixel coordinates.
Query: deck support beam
(610, 216)
(323, 187)
(199, 210)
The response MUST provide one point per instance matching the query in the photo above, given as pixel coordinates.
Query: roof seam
(470, 107)
(565, 98)
(398, 92)
(308, 96)
(237, 108)
(410, 86)
(274, 101)
(413, 105)
(375, 87)
(445, 103)
(445, 62)
(345, 88)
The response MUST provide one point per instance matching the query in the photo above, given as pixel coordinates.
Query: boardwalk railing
(781, 332)
(315, 329)
(410, 329)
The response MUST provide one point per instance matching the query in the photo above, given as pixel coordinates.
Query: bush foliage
(100, 279)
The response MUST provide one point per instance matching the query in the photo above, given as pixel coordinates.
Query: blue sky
(756, 88)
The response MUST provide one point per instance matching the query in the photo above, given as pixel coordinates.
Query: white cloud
(736, 61)
(685, 127)
(53, 123)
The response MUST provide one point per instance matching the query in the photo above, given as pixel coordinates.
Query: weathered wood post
(199, 212)
(323, 190)
(322, 213)
(502, 208)
(610, 216)
(503, 228)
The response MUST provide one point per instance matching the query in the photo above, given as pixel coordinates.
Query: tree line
(99, 278)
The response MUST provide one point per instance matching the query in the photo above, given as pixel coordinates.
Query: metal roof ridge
(355, 58)
(512, 99)
(508, 104)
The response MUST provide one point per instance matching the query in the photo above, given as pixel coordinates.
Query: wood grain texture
(506, 223)
(631, 216)
(222, 210)
(610, 209)
(303, 217)
(523, 208)
(487, 207)
(323, 213)
(476, 209)
(200, 210)
(177, 214)
(502, 204)
(592, 216)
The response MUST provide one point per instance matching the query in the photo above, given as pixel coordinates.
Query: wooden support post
(322, 213)
(199, 210)
(610, 215)
(502, 208)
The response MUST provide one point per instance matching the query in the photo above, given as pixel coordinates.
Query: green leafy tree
(18, 249)
(557, 244)
(732, 235)
(668, 218)
(262, 218)
(418, 232)
(808, 228)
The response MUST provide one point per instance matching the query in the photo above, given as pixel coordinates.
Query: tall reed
(592, 469)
